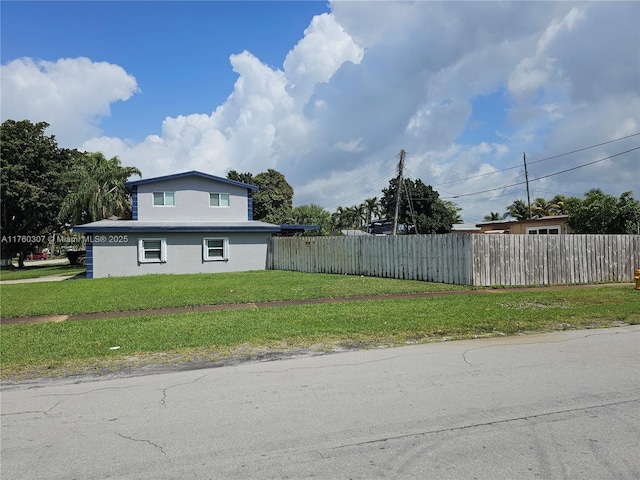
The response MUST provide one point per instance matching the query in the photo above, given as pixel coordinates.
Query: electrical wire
(546, 176)
(538, 161)
(387, 176)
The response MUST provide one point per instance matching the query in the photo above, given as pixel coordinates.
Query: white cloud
(71, 94)
(371, 78)
(324, 48)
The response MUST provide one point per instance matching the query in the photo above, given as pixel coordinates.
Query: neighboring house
(184, 223)
(353, 232)
(553, 225)
(465, 228)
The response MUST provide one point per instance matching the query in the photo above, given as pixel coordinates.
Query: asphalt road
(563, 405)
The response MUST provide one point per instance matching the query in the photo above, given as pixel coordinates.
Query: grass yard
(157, 291)
(31, 350)
(36, 271)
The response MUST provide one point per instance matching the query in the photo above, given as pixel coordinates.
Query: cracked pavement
(559, 405)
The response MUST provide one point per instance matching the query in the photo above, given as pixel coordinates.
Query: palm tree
(542, 208)
(492, 217)
(518, 210)
(359, 216)
(339, 218)
(98, 190)
(560, 206)
(371, 208)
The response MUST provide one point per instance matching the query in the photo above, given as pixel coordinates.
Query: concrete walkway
(48, 278)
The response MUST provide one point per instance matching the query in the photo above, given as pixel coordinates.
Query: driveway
(555, 406)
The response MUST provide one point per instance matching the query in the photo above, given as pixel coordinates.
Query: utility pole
(526, 177)
(394, 230)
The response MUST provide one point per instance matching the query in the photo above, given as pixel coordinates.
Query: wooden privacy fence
(472, 259)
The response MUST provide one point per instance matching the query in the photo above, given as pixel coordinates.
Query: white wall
(117, 258)
(192, 201)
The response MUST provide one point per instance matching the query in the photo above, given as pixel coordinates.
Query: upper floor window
(167, 199)
(218, 199)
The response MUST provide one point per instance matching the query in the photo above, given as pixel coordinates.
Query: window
(218, 199)
(552, 230)
(164, 199)
(215, 249)
(152, 250)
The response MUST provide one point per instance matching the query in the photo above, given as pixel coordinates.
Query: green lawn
(82, 346)
(157, 291)
(35, 271)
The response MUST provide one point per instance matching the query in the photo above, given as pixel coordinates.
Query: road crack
(43, 412)
(487, 424)
(143, 441)
(164, 390)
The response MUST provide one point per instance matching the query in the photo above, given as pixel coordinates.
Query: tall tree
(97, 190)
(603, 213)
(313, 214)
(420, 205)
(518, 210)
(371, 208)
(560, 205)
(358, 216)
(240, 177)
(31, 185)
(340, 219)
(492, 217)
(273, 202)
(454, 209)
(542, 208)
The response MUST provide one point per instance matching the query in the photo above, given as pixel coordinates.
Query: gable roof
(193, 173)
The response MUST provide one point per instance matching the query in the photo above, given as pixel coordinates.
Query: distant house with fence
(551, 225)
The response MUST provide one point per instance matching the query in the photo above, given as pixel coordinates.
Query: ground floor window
(215, 249)
(552, 230)
(152, 250)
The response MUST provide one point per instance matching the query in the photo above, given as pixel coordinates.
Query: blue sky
(329, 92)
(177, 51)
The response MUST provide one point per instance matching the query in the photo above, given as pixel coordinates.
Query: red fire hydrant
(637, 277)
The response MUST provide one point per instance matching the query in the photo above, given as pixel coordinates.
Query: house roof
(294, 229)
(526, 220)
(464, 227)
(190, 174)
(136, 226)
(353, 232)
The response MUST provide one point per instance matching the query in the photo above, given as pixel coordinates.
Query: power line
(387, 176)
(546, 176)
(585, 148)
(538, 161)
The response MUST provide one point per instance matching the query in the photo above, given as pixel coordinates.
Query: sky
(329, 93)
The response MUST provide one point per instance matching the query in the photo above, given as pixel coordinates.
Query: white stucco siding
(192, 201)
(184, 254)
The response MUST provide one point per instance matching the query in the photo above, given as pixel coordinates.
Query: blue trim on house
(134, 201)
(133, 183)
(124, 228)
(89, 257)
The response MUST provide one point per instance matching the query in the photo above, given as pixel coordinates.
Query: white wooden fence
(475, 259)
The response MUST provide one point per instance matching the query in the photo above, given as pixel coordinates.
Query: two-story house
(189, 222)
